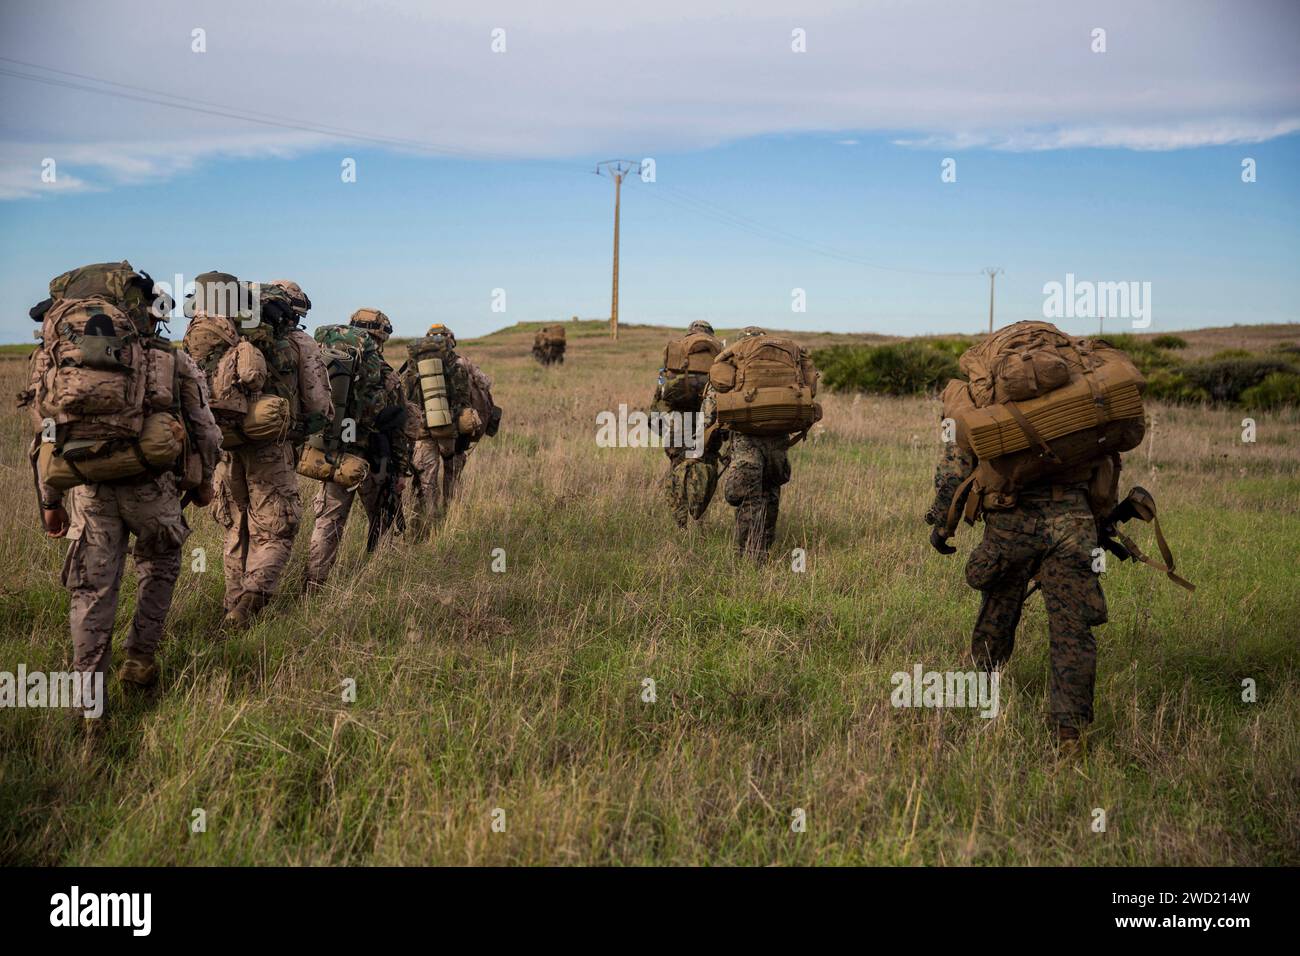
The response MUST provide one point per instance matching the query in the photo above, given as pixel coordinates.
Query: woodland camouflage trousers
(1050, 537)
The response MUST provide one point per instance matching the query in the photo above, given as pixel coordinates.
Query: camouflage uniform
(757, 467)
(257, 499)
(1049, 535)
(686, 482)
(436, 464)
(103, 517)
(333, 502)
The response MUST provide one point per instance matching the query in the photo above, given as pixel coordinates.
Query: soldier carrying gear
(760, 394)
(690, 480)
(1033, 448)
(374, 322)
(258, 362)
(297, 298)
(148, 504)
(549, 344)
(380, 430)
(456, 399)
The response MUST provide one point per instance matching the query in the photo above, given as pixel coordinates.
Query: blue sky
(1079, 182)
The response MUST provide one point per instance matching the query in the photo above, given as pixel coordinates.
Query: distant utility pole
(992, 272)
(616, 169)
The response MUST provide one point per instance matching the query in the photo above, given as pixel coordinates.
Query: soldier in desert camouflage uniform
(257, 486)
(104, 516)
(1049, 535)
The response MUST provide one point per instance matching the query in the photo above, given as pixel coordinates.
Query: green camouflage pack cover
(356, 372)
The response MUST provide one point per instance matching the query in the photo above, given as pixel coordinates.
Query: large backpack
(103, 395)
(685, 372)
(356, 374)
(253, 372)
(765, 385)
(442, 385)
(1042, 406)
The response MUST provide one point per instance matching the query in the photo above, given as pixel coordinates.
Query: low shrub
(1277, 390)
(1169, 342)
(1225, 380)
(903, 368)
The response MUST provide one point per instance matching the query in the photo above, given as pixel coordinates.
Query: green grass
(522, 690)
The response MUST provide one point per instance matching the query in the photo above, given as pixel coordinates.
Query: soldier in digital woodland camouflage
(1042, 529)
(390, 424)
(689, 482)
(757, 464)
(148, 505)
(257, 500)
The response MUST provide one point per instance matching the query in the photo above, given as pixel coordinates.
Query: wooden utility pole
(616, 169)
(992, 273)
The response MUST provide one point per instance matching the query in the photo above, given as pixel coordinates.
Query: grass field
(522, 690)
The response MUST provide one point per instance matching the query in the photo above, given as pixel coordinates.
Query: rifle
(1141, 505)
(388, 510)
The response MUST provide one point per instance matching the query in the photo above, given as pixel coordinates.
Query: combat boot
(1069, 743)
(139, 670)
(248, 606)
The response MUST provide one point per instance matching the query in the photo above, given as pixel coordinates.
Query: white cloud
(595, 79)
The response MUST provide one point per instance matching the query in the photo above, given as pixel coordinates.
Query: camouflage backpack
(356, 368)
(437, 382)
(115, 282)
(685, 371)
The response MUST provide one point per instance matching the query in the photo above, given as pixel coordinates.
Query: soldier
(689, 482)
(549, 344)
(757, 464)
(106, 514)
(474, 415)
(386, 443)
(257, 499)
(1050, 534)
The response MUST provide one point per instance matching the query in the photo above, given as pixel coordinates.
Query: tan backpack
(1042, 406)
(103, 396)
(765, 385)
(685, 372)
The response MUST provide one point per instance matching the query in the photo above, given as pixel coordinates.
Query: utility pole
(992, 272)
(616, 169)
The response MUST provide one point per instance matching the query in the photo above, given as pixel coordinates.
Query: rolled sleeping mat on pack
(339, 467)
(161, 441)
(433, 390)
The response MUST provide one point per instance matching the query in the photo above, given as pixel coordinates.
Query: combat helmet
(374, 322)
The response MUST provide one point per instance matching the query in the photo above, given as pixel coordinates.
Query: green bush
(1279, 389)
(953, 346)
(1146, 355)
(1225, 380)
(1168, 385)
(904, 368)
(1228, 354)
(1169, 342)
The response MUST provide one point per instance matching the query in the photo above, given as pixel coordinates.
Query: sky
(799, 154)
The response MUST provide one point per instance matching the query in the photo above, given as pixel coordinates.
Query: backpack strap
(1031, 433)
(1139, 504)
(959, 504)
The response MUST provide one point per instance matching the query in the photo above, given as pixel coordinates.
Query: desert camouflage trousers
(752, 485)
(257, 502)
(103, 518)
(333, 504)
(1051, 538)
(434, 484)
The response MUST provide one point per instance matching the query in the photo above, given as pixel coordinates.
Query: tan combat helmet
(301, 304)
(438, 329)
(374, 322)
(751, 330)
(699, 325)
(215, 293)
